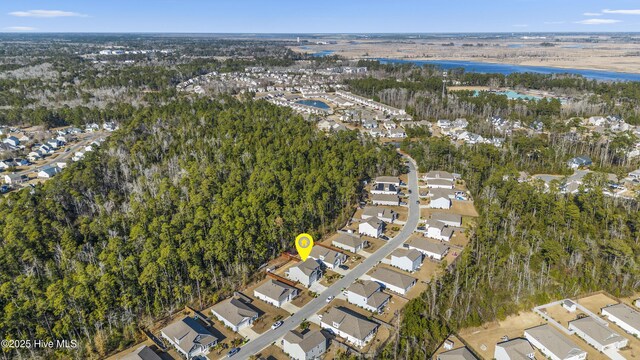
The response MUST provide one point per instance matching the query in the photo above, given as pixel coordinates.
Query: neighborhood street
(271, 336)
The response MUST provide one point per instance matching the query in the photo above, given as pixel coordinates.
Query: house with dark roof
(580, 161)
(142, 353)
(310, 345)
(234, 313)
(189, 337)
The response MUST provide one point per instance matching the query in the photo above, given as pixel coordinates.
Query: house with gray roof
(514, 349)
(234, 313)
(308, 346)
(189, 337)
(372, 227)
(385, 199)
(627, 318)
(386, 215)
(430, 248)
(596, 332)
(392, 180)
(554, 344)
(356, 329)
(306, 272)
(457, 354)
(142, 353)
(448, 219)
(393, 280)
(329, 258)
(368, 295)
(275, 292)
(349, 242)
(439, 175)
(406, 259)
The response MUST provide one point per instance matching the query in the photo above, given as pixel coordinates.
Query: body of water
(514, 95)
(323, 53)
(506, 69)
(314, 103)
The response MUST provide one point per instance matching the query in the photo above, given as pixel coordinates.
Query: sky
(326, 16)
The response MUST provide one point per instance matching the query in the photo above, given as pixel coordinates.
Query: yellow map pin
(304, 243)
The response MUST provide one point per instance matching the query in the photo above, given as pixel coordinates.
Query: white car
(276, 325)
(329, 298)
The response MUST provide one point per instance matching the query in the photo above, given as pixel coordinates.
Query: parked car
(344, 267)
(329, 298)
(233, 352)
(276, 325)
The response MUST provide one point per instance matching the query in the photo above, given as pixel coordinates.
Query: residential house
(624, 316)
(457, 354)
(382, 188)
(386, 215)
(306, 272)
(596, 332)
(406, 259)
(54, 143)
(234, 313)
(440, 198)
(384, 199)
(396, 134)
(430, 249)
(448, 219)
(372, 227)
(355, 329)
(569, 305)
(393, 180)
(579, 161)
(189, 337)
(440, 184)
(12, 179)
(460, 123)
(349, 242)
(443, 124)
(308, 346)
(329, 258)
(553, 344)
(275, 292)
(48, 172)
(393, 280)
(142, 353)
(514, 349)
(12, 141)
(439, 175)
(370, 124)
(368, 295)
(438, 230)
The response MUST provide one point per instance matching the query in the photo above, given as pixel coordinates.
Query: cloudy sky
(328, 16)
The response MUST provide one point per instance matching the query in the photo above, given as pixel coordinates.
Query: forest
(529, 246)
(180, 206)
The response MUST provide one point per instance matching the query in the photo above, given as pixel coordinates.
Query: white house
(48, 172)
(385, 199)
(597, 334)
(275, 292)
(553, 344)
(569, 305)
(349, 242)
(356, 330)
(624, 316)
(440, 198)
(329, 258)
(393, 280)
(457, 354)
(438, 230)
(514, 349)
(15, 179)
(382, 188)
(407, 260)
(429, 248)
(368, 295)
(234, 313)
(372, 227)
(189, 337)
(448, 219)
(440, 184)
(12, 140)
(393, 180)
(439, 175)
(306, 272)
(308, 346)
(386, 215)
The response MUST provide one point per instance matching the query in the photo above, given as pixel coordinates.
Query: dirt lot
(329, 278)
(395, 304)
(374, 244)
(486, 336)
(149, 343)
(562, 315)
(268, 315)
(273, 353)
(464, 208)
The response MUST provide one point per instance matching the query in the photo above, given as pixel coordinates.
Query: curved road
(315, 305)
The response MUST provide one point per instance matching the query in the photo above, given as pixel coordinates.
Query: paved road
(271, 336)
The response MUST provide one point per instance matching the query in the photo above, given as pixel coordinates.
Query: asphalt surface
(315, 305)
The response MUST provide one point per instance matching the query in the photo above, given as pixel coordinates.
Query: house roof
(364, 288)
(441, 193)
(426, 245)
(432, 223)
(385, 197)
(596, 330)
(348, 240)
(625, 313)
(517, 349)
(447, 217)
(553, 340)
(234, 310)
(457, 354)
(395, 278)
(307, 341)
(189, 333)
(308, 266)
(348, 323)
(387, 179)
(275, 289)
(142, 353)
(435, 174)
(413, 255)
(377, 211)
(325, 254)
(374, 222)
(444, 182)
